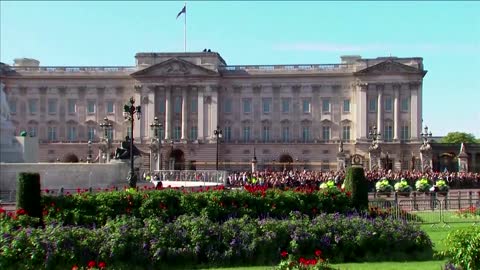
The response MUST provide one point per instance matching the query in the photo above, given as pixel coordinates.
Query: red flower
(302, 260)
(2, 210)
(349, 193)
(74, 267)
(91, 264)
(46, 190)
(318, 253)
(284, 253)
(102, 265)
(21, 212)
(78, 190)
(312, 261)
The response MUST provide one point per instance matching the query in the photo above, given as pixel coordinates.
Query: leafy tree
(459, 137)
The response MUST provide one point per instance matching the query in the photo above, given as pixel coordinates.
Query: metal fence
(429, 210)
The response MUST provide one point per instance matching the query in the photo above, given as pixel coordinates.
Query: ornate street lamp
(155, 127)
(129, 110)
(218, 134)
(426, 136)
(89, 153)
(106, 126)
(374, 135)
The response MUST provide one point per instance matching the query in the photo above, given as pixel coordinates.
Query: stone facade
(293, 115)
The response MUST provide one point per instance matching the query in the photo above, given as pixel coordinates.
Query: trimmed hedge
(217, 205)
(356, 183)
(194, 241)
(29, 194)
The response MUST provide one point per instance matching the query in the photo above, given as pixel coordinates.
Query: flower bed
(86, 208)
(196, 240)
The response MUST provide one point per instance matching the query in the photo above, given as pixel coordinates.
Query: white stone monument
(462, 159)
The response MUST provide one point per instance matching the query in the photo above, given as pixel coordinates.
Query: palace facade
(292, 115)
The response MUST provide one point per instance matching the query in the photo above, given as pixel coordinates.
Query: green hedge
(29, 194)
(193, 241)
(356, 183)
(217, 205)
(463, 248)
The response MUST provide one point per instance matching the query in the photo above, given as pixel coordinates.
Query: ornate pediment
(174, 67)
(389, 67)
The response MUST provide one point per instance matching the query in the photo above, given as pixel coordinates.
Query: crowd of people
(295, 178)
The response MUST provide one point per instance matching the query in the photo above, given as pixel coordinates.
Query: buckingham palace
(283, 115)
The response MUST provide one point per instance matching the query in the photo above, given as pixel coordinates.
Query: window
(247, 105)
(285, 105)
(266, 104)
(372, 105)
(161, 133)
(266, 134)
(12, 104)
(228, 105)
(110, 134)
(388, 104)
(404, 133)
(346, 105)
(326, 105)
(405, 105)
(306, 106)
(91, 133)
(161, 105)
(91, 106)
(193, 133)
(32, 131)
(33, 106)
(326, 133)
(388, 132)
(71, 133)
(246, 134)
(110, 107)
(285, 134)
(52, 106)
(194, 105)
(305, 134)
(177, 133)
(129, 132)
(346, 133)
(72, 106)
(228, 134)
(52, 133)
(177, 106)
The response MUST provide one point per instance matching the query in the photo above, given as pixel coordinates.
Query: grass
(437, 233)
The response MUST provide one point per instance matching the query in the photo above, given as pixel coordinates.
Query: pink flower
(284, 253)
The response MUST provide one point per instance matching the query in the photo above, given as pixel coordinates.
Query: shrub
(463, 248)
(356, 183)
(383, 185)
(195, 241)
(422, 185)
(28, 194)
(442, 185)
(402, 186)
(330, 184)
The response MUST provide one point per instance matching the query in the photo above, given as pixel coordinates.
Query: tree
(459, 137)
(356, 183)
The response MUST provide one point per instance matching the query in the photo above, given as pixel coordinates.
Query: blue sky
(445, 34)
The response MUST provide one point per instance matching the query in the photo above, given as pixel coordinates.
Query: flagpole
(185, 29)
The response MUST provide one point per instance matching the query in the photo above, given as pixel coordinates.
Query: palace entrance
(286, 161)
(176, 160)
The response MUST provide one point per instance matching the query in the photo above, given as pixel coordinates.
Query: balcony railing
(290, 68)
(72, 69)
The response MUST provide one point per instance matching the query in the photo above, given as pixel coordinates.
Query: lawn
(437, 233)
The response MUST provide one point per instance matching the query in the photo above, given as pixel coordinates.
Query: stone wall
(66, 175)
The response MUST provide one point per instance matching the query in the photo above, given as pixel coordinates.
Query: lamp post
(106, 126)
(155, 142)
(89, 152)
(426, 136)
(129, 110)
(374, 135)
(218, 134)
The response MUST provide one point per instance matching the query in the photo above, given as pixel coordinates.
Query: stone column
(168, 102)
(361, 111)
(150, 107)
(380, 111)
(184, 113)
(414, 112)
(396, 113)
(213, 110)
(200, 123)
